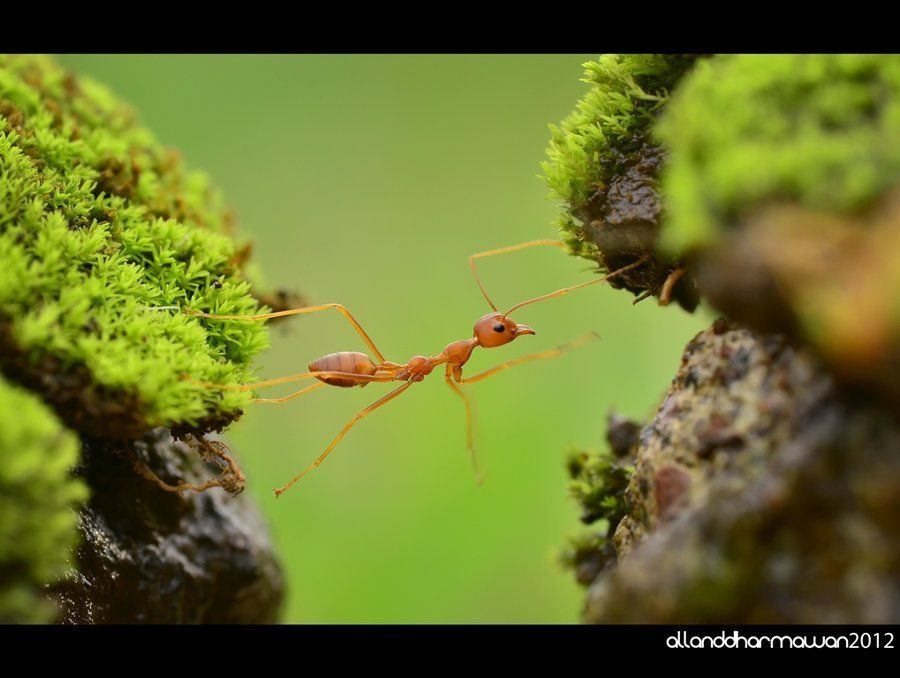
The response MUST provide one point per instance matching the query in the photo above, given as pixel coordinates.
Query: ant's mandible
(346, 369)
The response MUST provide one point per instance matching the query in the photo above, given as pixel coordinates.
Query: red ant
(346, 369)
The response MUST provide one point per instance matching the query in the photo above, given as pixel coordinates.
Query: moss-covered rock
(105, 238)
(765, 488)
(760, 494)
(604, 164)
(818, 130)
(783, 182)
(38, 502)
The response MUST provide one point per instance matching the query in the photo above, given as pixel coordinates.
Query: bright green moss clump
(598, 483)
(822, 131)
(104, 239)
(611, 121)
(37, 500)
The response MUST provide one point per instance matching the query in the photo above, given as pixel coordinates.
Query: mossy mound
(783, 182)
(822, 131)
(628, 91)
(37, 500)
(603, 163)
(105, 237)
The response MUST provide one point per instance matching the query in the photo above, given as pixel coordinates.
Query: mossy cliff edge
(604, 164)
(766, 486)
(105, 238)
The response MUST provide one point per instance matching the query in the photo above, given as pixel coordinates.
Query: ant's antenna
(566, 290)
(505, 250)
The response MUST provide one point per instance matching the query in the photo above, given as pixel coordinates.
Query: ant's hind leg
(359, 415)
(296, 394)
(298, 311)
(470, 435)
(361, 378)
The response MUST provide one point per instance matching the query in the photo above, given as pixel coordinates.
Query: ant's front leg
(541, 355)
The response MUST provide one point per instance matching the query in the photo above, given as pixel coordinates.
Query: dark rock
(590, 562)
(151, 556)
(622, 434)
(623, 220)
(762, 493)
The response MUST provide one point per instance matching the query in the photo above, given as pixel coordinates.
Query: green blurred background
(368, 180)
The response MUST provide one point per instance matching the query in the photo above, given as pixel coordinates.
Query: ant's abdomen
(344, 361)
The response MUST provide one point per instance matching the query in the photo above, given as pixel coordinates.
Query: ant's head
(495, 329)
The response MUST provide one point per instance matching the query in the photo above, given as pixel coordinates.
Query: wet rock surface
(151, 556)
(623, 221)
(761, 493)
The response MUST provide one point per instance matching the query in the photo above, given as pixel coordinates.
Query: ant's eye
(499, 328)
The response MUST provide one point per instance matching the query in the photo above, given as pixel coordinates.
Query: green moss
(819, 130)
(598, 483)
(37, 500)
(627, 93)
(105, 238)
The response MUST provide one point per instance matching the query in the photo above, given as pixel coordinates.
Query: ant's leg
(643, 295)
(231, 480)
(470, 438)
(549, 353)
(665, 296)
(505, 250)
(566, 290)
(298, 311)
(359, 415)
(296, 394)
(361, 378)
(141, 468)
